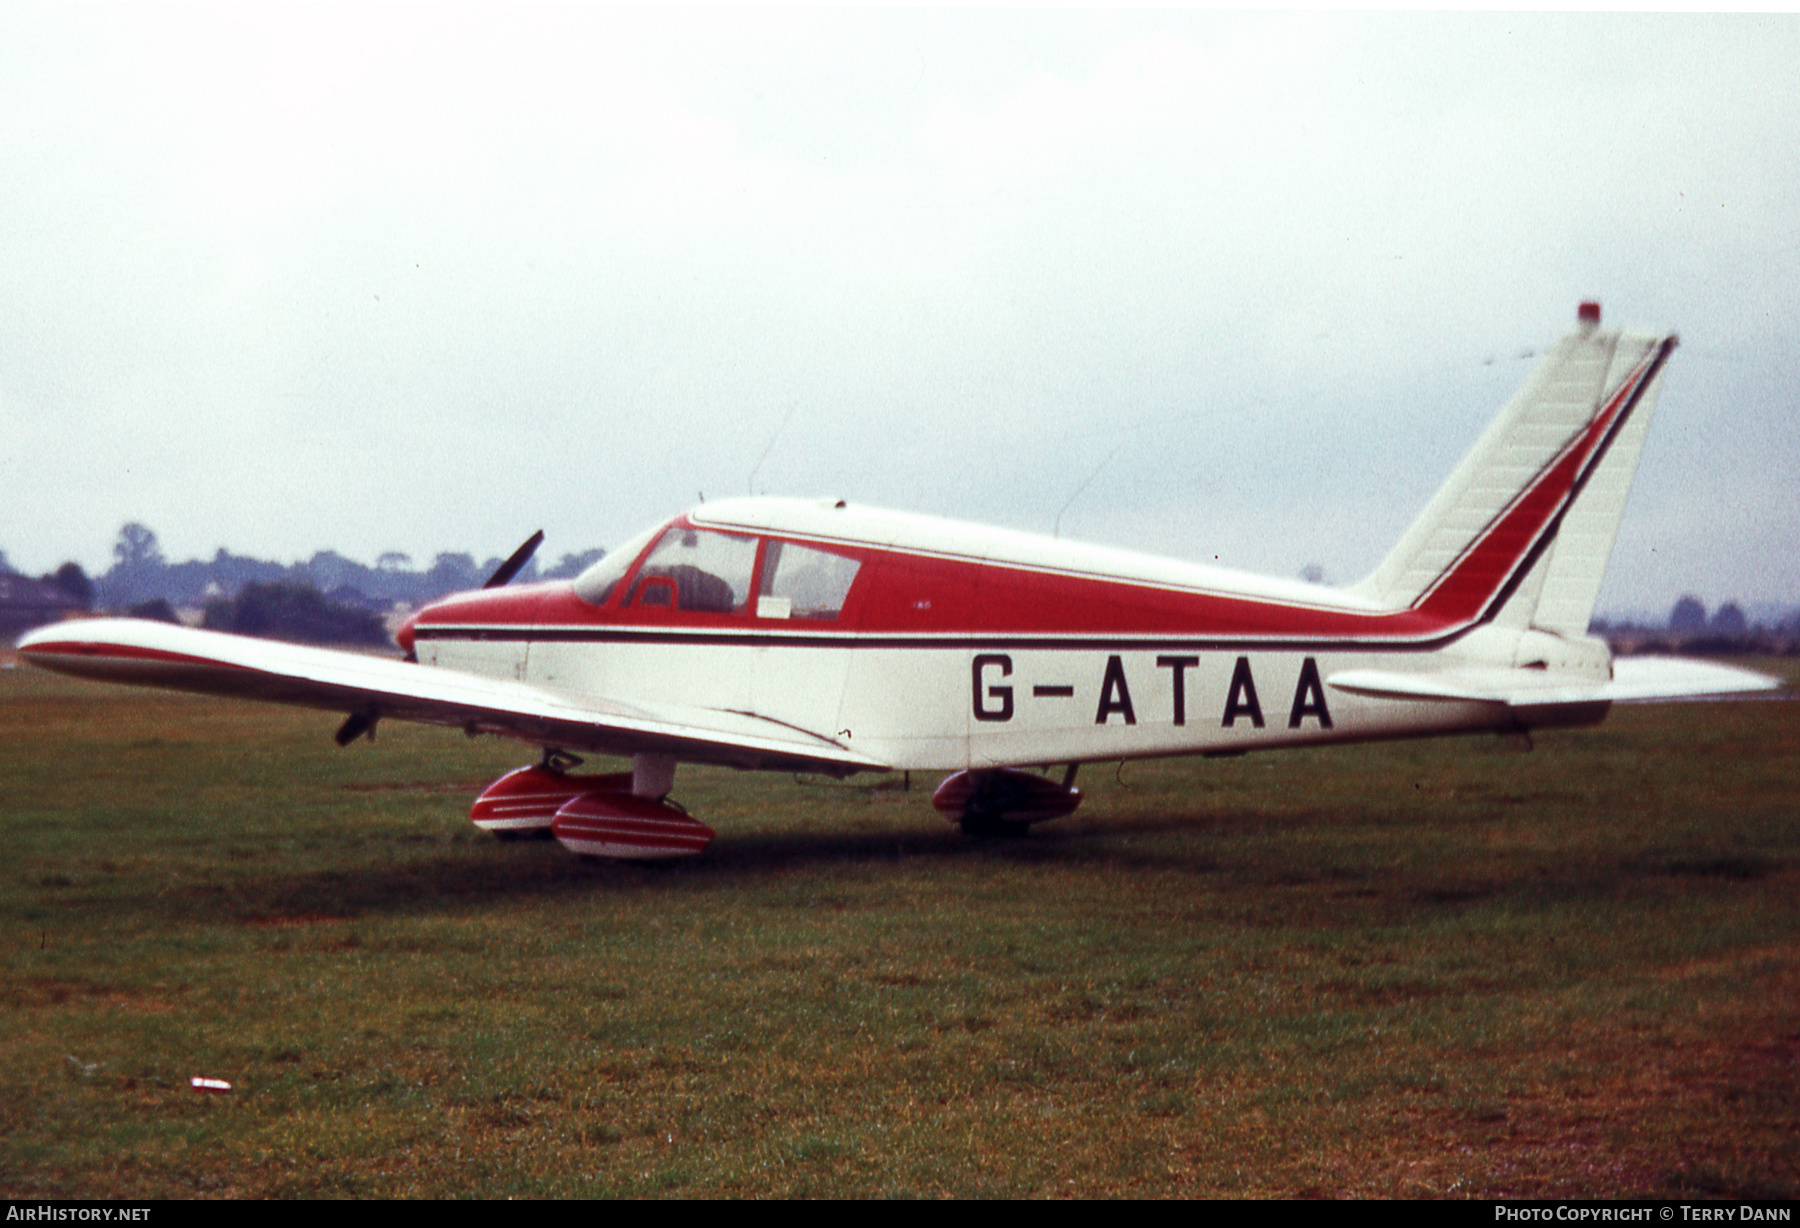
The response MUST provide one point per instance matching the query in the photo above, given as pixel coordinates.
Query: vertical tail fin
(1521, 531)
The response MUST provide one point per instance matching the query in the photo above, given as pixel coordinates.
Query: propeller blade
(520, 557)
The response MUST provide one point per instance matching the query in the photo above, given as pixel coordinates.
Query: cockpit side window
(698, 571)
(800, 582)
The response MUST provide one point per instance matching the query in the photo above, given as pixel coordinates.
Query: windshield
(698, 570)
(596, 584)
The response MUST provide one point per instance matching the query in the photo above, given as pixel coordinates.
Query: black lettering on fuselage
(1115, 696)
(1178, 668)
(1241, 699)
(1309, 697)
(1003, 709)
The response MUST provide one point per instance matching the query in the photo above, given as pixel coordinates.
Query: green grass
(1435, 968)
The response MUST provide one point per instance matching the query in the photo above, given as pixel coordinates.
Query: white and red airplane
(817, 636)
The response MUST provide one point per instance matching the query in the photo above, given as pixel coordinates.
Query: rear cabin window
(800, 582)
(696, 570)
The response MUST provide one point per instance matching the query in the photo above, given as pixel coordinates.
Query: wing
(370, 688)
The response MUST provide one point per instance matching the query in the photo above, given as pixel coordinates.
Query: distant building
(26, 603)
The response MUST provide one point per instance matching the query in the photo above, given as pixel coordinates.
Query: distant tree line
(257, 597)
(1726, 631)
(141, 574)
(325, 599)
(281, 611)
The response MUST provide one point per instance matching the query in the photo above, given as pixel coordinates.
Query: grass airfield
(1418, 969)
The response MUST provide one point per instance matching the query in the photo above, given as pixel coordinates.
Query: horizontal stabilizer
(1649, 679)
(1635, 680)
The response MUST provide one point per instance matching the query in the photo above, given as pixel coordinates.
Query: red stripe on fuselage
(909, 595)
(903, 594)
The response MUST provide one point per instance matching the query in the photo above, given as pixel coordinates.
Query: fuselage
(930, 644)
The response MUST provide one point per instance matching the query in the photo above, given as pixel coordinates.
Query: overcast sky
(1244, 287)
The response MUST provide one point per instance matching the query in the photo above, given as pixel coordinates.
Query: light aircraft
(819, 636)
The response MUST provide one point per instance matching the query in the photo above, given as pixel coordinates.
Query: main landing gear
(1004, 802)
(627, 815)
(622, 815)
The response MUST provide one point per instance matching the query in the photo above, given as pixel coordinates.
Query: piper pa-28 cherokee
(813, 636)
